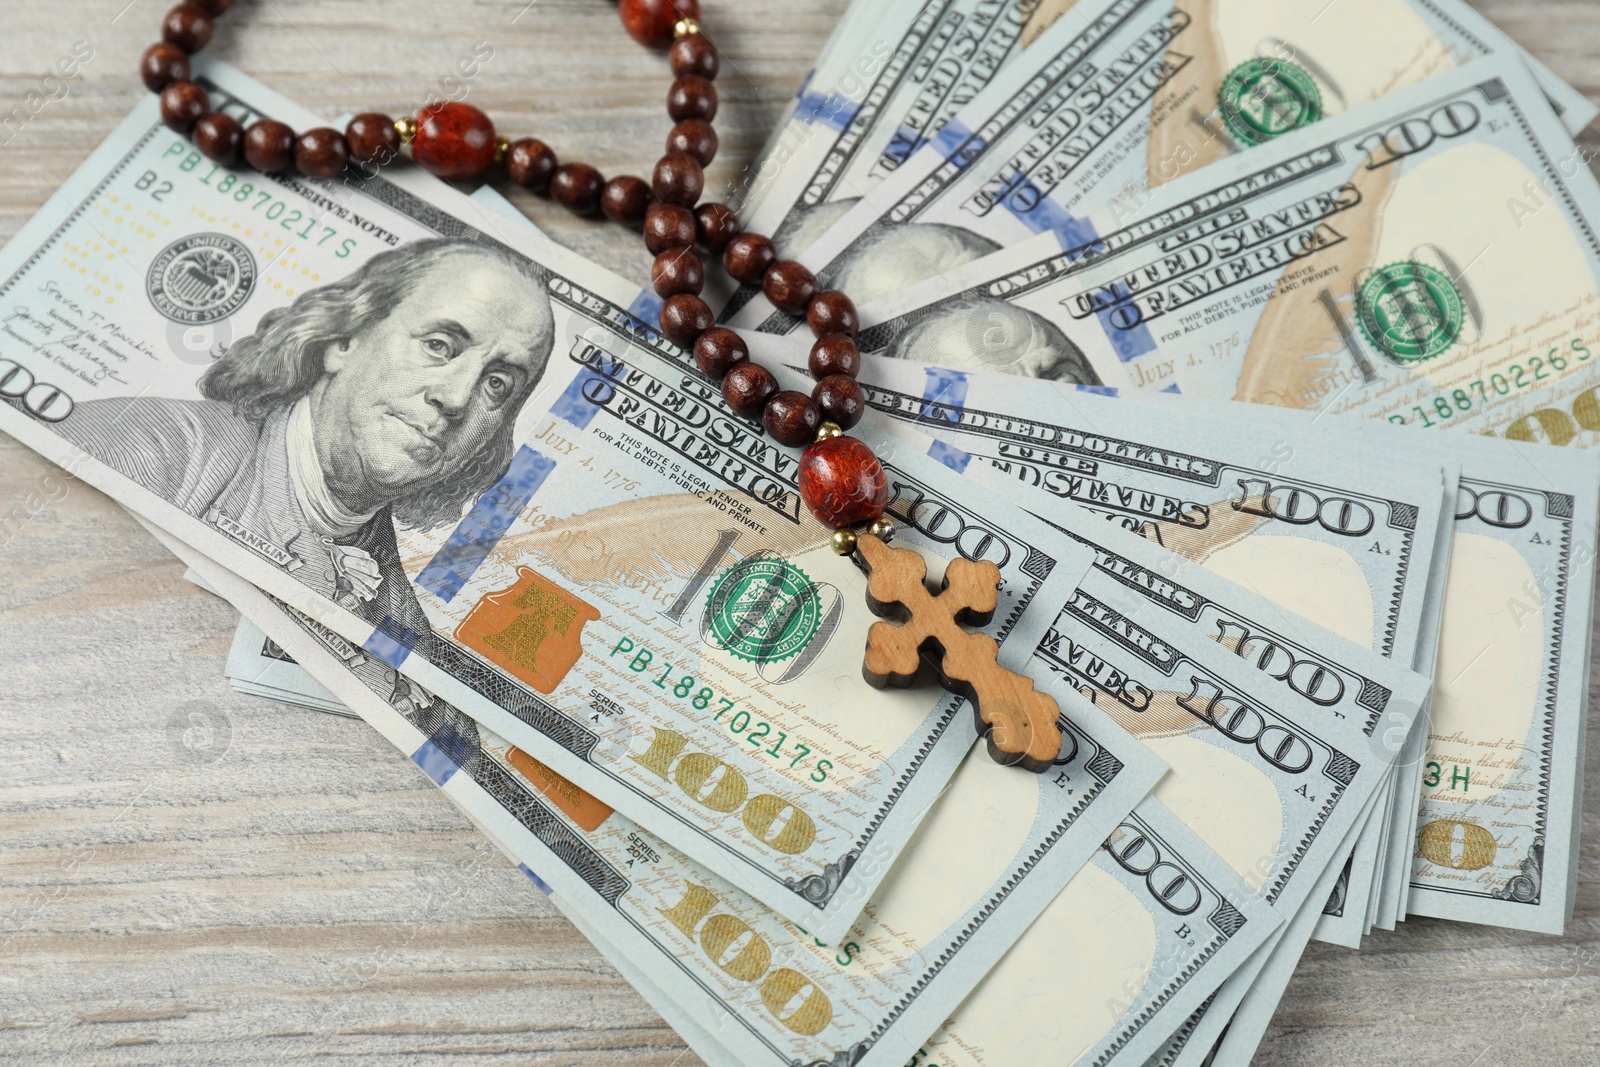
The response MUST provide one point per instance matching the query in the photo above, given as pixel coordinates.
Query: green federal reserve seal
(1263, 98)
(763, 609)
(1410, 311)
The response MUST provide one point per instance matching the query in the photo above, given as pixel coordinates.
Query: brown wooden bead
(792, 418)
(717, 350)
(321, 153)
(790, 286)
(691, 97)
(187, 26)
(677, 270)
(715, 225)
(685, 317)
(182, 104)
(747, 387)
(834, 354)
(668, 226)
(219, 137)
(161, 64)
(678, 179)
(841, 400)
(696, 137)
(214, 7)
(372, 139)
(576, 187)
(830, 311)
(625, 199)
(694, 54)
(531, 163)
(269, 146)
(454, 141)
(747, 257)
(650, 22)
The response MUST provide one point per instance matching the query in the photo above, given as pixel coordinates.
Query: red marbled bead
(454, 140)
(650, 22)
(842, 482)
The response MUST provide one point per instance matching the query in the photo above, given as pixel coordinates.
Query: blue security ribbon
(1075, 236)
(944, 388)
(949, 455)
(392, 642)
(476, 534)
(826, 109)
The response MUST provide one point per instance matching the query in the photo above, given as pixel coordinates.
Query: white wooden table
(281, 886)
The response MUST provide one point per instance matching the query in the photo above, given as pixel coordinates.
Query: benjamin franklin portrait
(966, 332)
(984, 333)
(386, 397)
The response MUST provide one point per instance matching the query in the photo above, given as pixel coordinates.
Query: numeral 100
(1557, 427)
(43, 401)
(775, 822)
(792, 998)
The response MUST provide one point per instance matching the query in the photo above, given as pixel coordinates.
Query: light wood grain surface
(280, 885)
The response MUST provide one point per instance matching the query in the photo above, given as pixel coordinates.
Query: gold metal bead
(406, 127)
(827, 430)
(685, 28)
(882, 528)
(844, 542)
(502, 145)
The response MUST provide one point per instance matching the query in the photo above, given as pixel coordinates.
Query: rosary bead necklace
(840, 479)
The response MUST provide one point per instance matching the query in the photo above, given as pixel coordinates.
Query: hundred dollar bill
(1133, 968)
(1232, 782)
(1365, 579)
(1501, 782)
(1280, 318)
(1118, 98)
(1502, 774)
(997, 849)
(1277, 642)
(836, 73)
(1258, 631)
(1249, 284)
(258, 666)
(1206, 1038)
(885, 90)
(1329, 527)
(1345, 267)
(471, 458)
(1136, 576)
(1253, 632)
(1153, 924)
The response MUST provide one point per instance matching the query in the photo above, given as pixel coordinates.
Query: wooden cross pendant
(1018, 720)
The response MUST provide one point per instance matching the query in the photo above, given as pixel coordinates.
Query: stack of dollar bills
(1257, 344)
